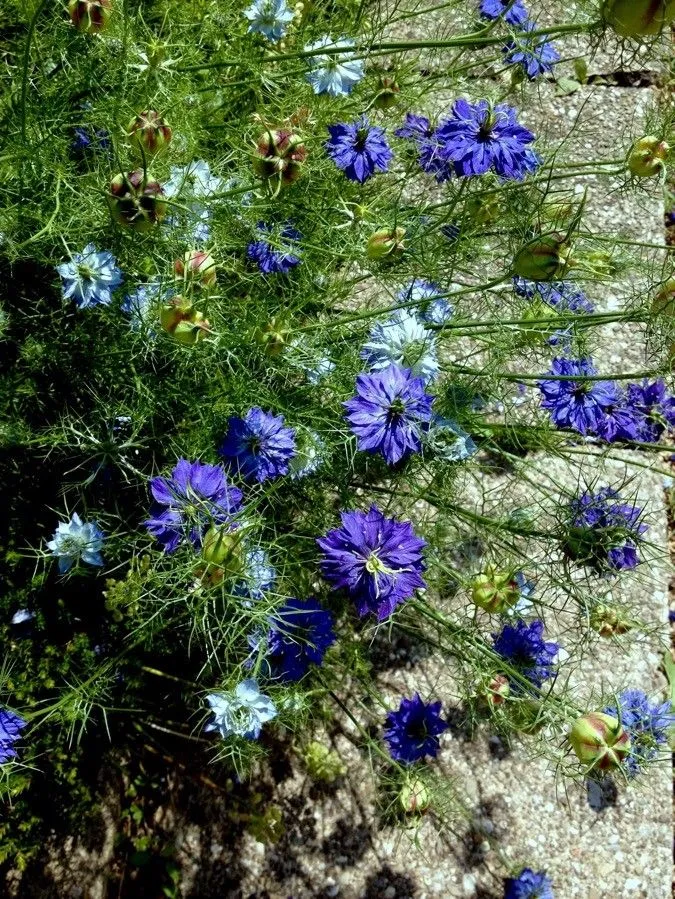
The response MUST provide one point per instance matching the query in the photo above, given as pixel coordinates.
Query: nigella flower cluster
(535, 55)
(604, 532)
(277, 255)
(258, 446)
(76, 541)
(359, 149)
(90, 277)
(524, 648)
(647, 724)
(412, 732)
(301, 632)
(195, 497)
(402, 340)
(529, 884)
(377, 560)
(389, 412)
(11, 726)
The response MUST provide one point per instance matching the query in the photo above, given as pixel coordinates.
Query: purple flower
(411, 733)
(195, 497)
(430, 157)
(277, 256)
(479, 137)
(529, 884)
(604, 532)
(523, 646)
(377, 560)
(513, 12)
(11, 726)
(583, 406)
(653, 408)
(301, 632)
(535, 55)
(258, 445)
(359, 149)
(647, 724)
(389, 412)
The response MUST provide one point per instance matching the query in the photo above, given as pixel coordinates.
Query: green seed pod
(183, 322)
(545, 258)
(222, 548)
(388, 93)
(136, 202)
(198, 267)
(90, 16)
(647, 157)
(385, 243)
(414, 797)
(280, 155)
(599, 741)
(636, 18)
(273, 337)
(150, 132)
(494, 590)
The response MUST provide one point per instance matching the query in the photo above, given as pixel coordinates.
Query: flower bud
(386, 243)
(136, 202)
(498, 690)
(545, 258)
(635, 18)
(149, 132)
(222, 547)
(388, 93)
(647, 157)
(196, 266)
(494, 590)
(273, 337)
(179, 318)
(280, 156)
(90, 16)
(599, 741)
(414, 797)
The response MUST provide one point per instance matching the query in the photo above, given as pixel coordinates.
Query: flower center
(396, 409)
(485, 130)
(374, 565)
(85, 272)
(361, 138)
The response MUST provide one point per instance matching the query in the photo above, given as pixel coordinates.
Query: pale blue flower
(334, 74)
(402, 340)
(194, 183)
(76, 540)
(448, 441)
(141, 303)
(309, 454)
(319, 370)
(269, 18)
(90, 277)
(259, 574)
(240, 712)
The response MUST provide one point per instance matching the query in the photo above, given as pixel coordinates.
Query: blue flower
(418, 129)
(448, 441)
(90, 277)
(141, 304)
(269, 18)
(604, 532)
(412, 732)
(11, 726)
(535, 55)
(76, 541)
(653, 409)
(279, 256)
(647, 724)
(389, 413)
(513, 11)
(378, 560)
(240, 712)
(258, 576)
(434, 308)
(301, 632)
(337, 73)
(564, 296)
(358, 149)
(195, 497)
(90, 139)
(402, 340)
(194, 184)
(523, 646)
(529, 884)
(258, 445)
(479, 137)
(319, 370)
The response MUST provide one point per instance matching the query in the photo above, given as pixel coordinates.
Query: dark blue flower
(604, 532)
(278, 255)
(11, 726)
(525, 649)
(535, 55)
(195, 497)
(647, 723)
(479, 137)
(300, 634)
(90, 139)
(258, 445)
(564, 296)
(429, 149)
(653, 408)
(412, 732)
(359, 149)
(378, 560)
(389, 412)
(513, 11)
(529, 884)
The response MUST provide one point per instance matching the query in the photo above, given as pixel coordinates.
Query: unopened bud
(635, 18)
(273, 337)
(647, 157)
(183, 322)
(388, 93)
(545, 258)
(136, 202)
(385, 244)
(483, 209)
(414, 797)
(222, 547)
(90, 16)
(196, 266)
(599, 741)
(149, 131)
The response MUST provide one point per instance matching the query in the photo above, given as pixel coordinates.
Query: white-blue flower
(76, 541)
(269, 18)
(309, 454)
(259, 574)
(194, 183)
(240, 712)
(90, 277)
(334, 74)
(448, 441)
(402, 340)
